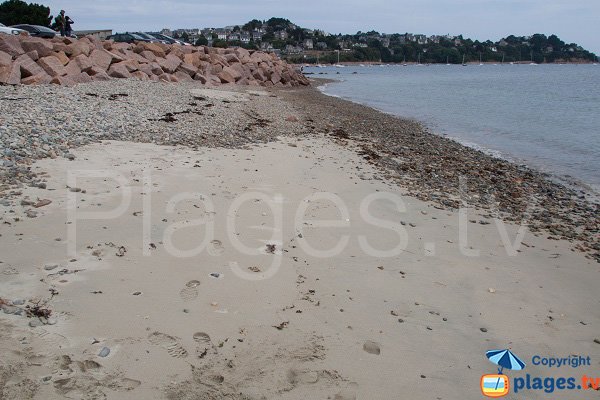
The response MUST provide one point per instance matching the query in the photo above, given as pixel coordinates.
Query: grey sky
(572, 20)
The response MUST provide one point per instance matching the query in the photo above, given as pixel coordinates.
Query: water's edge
(591, 192)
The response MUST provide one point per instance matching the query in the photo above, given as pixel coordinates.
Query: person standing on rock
(68, 29)
(61, 22)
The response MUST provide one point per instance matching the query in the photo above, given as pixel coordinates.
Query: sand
(210, 274)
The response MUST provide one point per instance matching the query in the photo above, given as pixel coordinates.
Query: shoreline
(190, 228)
(592, 192)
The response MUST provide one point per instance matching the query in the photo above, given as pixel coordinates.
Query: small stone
(484, 330)
(50, 267)
(597, 341)
(18, 302)
(492, 290)
(104, 352)
(137, 293)
(34, 323)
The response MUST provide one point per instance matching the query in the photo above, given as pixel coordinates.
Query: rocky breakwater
(66, 61)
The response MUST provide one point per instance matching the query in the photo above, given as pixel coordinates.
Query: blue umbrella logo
(503, 359)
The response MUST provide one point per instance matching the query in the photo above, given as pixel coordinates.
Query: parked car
(9, 30)
(37, 30)
(168, 39)
(127, 38)
(148, 37)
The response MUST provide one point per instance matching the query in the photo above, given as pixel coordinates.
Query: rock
(13, 310)
(170, 63)
(10, 75)
(84, 62)
(41, 46)
(11, 45)
(50, 267)
(119, 70)
(62, 57)
(52, 66)
(34, 323)
(18, 302)
(42, 203)
(104, 352)
(5, 59)
(101, 59)
(226, 77)
(28, 66)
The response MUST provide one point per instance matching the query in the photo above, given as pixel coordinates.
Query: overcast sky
(572, 20)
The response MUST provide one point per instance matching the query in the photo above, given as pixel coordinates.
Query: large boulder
(43, 47)
(28, 66)
(119, 70)
(226, 77)
(10, 44)
(103, 58)
(84, 62)
(52, 66)
(5, 59)
(10, 74)
(79, 47)
(170, 63)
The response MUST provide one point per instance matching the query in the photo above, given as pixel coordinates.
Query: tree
(185, 37)
(252, 25)
(13, 12)
(202, 41)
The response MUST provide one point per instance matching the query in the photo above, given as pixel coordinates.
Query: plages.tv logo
(498, 385)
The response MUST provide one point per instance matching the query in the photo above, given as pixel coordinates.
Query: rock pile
(66, 61)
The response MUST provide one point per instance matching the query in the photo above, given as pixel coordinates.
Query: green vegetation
(13, 12)
(373, 46)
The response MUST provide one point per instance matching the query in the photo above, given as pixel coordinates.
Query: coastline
(262, 311)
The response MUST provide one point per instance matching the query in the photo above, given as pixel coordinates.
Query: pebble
(104, 352)
(597, 341)
(34, 323)
(18, 302)
(50, 267)
(484, 330)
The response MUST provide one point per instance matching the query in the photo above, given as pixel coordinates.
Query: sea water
(545, 116)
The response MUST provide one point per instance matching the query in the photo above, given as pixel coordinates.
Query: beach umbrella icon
(504, 359)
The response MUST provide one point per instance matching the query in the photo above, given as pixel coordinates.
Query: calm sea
(545, 116)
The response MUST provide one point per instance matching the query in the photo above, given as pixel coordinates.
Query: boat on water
(464, 64)
(447, 60)
(404, 62)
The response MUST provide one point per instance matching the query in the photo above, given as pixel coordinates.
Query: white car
(10, 31)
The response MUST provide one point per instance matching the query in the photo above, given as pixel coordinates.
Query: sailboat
(502, 58)
(463, 63)
(596, 61)
(338, 65)
(419, 60)
(480, 63)
(447, 60)
(532, 62)
(404, 62)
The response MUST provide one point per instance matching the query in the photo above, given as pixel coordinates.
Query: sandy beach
(180, 242)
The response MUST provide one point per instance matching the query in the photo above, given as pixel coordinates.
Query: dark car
(127, 38)
(37, 30)
(148, 37)
(168, 39)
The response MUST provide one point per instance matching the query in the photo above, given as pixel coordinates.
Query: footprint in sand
(169, 343)
(215, 248)
(349, 393)
(202, 338)
(190, 291)
(372, 348)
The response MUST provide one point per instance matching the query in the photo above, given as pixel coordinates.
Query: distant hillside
(307, 45)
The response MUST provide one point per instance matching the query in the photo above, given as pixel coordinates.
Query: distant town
(302, 45)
